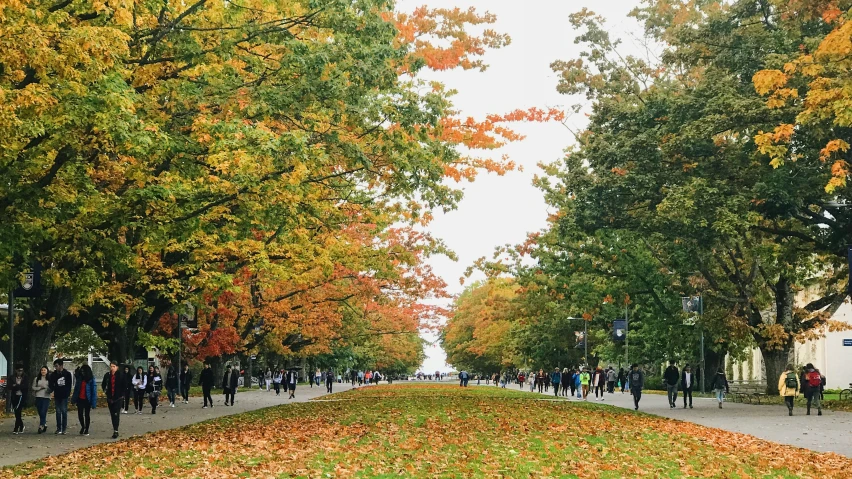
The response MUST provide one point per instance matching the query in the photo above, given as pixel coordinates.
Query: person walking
(720, 386)
(292, 379)
(575, 384)
(85, 397)
(555, 380)
(155, 387)
(41, 389)
(368, 377)
(599, 381)
(267, 377)
(171, 385)
(788, 387)
(277, 379)
(540, 379)
(622, 379)
(671, 377)
(318, 377)
(610, 380)
(687, 381)
(329, 381)
(18, 387)
(585, 382)
(230, 382)
(185, 382)
(61, 383)
(127, 385)
(113, 385)
(813, 388)
(521, 379)
(637, 382)
(140, 384)
(566, 381)
(205, 380)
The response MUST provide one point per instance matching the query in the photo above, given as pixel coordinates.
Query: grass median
(440, 431)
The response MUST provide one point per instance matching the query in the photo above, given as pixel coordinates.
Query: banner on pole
(30, 285)
(849, 281)
(580, 336)
(691, 306)
(619, 329)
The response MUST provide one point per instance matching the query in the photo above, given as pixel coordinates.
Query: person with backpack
(114, 390)
(720, 386)
(813, 388)
(637, 382)
(622, 379)
(575, 384)
(610, 380)
(555, 379)
(788, 387)
(85, 396)
(521, 378)
(671, 377)
(566, 382)
(205, 380)
(18, 387)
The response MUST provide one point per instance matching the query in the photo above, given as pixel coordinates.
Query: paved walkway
(15, 449)
(831, 432)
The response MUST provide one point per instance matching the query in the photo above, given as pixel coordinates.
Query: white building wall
(828, 354)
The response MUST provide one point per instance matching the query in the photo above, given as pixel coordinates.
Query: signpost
(847, 342)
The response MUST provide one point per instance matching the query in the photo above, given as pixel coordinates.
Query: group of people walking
(575, 382)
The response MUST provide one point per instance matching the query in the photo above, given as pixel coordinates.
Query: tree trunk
(775, 362)
(35, 336)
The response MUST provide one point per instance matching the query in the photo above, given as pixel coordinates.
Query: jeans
(599, 389)
(720, 395)
(556, 389)
(789, 401)
(637, 395)
(172, 393)
(672, 392)
(687, 393)
(125, 401)
(84, 413)
(610, 387)
(814, 398)
(61, 414)
(115, 411)
(229, 393)
(41, 406)
(207, 397)
(154, 399)
(184, 391)
(277, 387)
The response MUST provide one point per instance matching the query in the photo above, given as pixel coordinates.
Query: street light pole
(701, 329)
(626, 337)
(10, 364)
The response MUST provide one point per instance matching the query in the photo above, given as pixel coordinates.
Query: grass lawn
(426, 430)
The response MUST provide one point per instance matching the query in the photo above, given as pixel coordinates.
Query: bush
(654, 382)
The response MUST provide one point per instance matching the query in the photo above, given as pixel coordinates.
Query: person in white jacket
(140, 382)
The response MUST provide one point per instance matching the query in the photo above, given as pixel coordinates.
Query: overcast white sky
(499, 210)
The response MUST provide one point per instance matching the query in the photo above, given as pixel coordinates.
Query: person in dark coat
(85, 397)
(637, 383)
(155, 387)
(230, 382)
(127, 384)
(292, 379)
(185, 382)
(205, 380)
(329, 380)
(18, 387)
(116, 392)
(61, 383)
(171, 385)
(687, 382)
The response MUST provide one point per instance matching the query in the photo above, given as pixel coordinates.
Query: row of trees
(716, 165)
(264, 166)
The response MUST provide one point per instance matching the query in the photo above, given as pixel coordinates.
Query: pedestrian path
(831, 432)
(15, 449)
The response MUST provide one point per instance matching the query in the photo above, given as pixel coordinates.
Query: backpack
(814, 379)
(791, 381)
